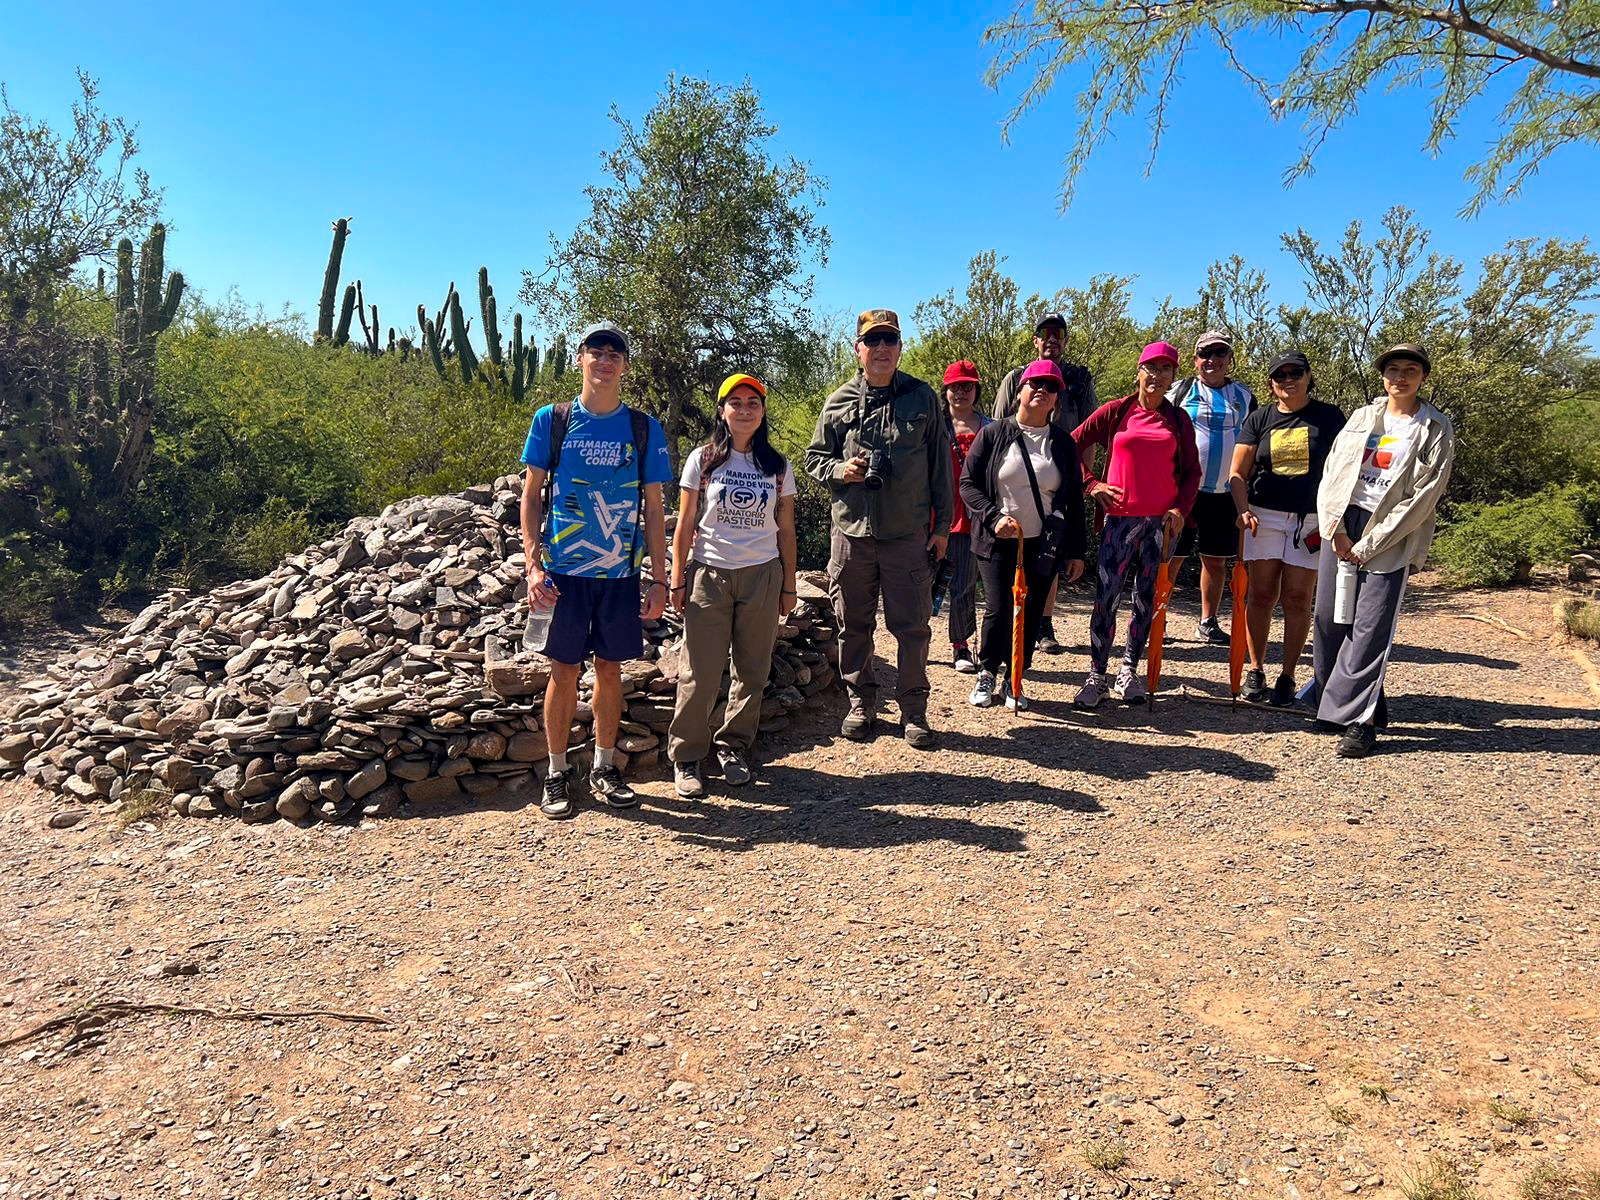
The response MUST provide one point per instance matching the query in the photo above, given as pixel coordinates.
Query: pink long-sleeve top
(1150, 454)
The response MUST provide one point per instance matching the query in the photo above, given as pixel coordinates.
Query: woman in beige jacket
(1376, 506)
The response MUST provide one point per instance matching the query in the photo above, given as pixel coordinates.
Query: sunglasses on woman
(1044, 385)
(1288, 375)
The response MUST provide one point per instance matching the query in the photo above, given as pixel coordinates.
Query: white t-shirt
(1387, 452)
(738, 523)
(1016, 497)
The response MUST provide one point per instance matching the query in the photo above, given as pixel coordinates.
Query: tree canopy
(1540, 61)
(66, 199)
(701, 245)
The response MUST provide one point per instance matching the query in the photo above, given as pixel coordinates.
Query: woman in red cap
(1152, 478)
(733, 562)
(1021, 488)
(963, 421)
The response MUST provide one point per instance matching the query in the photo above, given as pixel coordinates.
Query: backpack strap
(640, 423)
(560, 421)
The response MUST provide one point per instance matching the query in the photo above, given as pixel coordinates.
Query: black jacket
(980, 487)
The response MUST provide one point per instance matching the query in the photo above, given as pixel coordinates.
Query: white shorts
(1281, 537)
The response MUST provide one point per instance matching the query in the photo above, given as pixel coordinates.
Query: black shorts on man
(594, 616)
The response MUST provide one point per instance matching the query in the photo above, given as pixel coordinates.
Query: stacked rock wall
(382, 668)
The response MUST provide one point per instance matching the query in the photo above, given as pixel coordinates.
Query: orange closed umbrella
(1019, 593)
(1238, 645)
(1165, 578)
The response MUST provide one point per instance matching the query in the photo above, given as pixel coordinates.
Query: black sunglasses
(605, 343)
(1044, 384)
(1213, 352)
(881, 339)
(1288, 375)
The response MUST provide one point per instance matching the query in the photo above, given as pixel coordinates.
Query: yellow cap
(733, 381)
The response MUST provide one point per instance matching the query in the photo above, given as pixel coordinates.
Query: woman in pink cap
(1021, 486)
(1152, 478)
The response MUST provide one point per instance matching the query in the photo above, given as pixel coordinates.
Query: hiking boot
(1093, 691)
(961, 657)
(687, 781)
(982, 691)
(858, 722)
(1129, 687)
(1358, 741)
(1047, 643)
(735, 771)
(917, 734)
(1255, 687)
(1211, 632)
(607, 783)
(557, 802)
(1282, 692)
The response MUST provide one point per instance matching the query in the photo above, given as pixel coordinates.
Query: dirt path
(1194, 937)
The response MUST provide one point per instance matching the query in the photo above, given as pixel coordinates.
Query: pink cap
(1157, 350)
(1040, 368)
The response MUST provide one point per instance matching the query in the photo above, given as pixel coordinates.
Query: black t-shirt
(1291, 449)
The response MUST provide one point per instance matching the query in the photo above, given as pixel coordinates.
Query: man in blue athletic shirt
(585, 552)
(1217, 406)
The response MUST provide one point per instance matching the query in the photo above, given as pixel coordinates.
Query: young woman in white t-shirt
(733, 563)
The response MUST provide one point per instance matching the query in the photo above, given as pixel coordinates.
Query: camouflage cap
(877, 318)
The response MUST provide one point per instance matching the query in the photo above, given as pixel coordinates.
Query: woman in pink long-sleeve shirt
(1152, 478)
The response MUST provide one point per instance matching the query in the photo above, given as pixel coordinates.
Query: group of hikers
(1328, 513)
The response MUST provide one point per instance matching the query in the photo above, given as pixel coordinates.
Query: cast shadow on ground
(1057, 736)
(789, 804)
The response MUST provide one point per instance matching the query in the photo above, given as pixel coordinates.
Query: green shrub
(1493, 545)
(259, 541)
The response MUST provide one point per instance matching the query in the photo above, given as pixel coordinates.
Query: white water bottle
(537, 631)
(1344, 594)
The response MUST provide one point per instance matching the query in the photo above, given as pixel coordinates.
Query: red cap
(961, 372)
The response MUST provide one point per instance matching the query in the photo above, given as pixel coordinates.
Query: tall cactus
(558, 356)
(519, 360)
(370, 332)
(330, 280)
(491, 319)
(347, 309)
(430, 338)
(465, 358)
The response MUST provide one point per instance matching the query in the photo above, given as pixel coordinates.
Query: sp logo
(741, 497)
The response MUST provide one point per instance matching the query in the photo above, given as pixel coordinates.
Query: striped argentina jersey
(1217, 414)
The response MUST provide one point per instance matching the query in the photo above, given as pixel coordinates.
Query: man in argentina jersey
(1217, 405)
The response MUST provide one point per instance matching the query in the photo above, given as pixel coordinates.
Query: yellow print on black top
(1291, 451)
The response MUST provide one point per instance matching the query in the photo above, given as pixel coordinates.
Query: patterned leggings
(1125, 541)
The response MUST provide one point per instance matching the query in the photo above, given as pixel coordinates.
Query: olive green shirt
(906, 419)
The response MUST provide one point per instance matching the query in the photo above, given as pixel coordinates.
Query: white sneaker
(1016, 703)
(1129, 688)
(982, 691)
(1093, 691)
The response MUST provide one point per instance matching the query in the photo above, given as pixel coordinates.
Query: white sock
(605, 756)
(558, 762)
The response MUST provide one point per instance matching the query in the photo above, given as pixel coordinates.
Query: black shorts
(1216, 527)
(598, 616)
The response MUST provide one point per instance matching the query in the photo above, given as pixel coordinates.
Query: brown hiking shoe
(858, 722)
(915, 729)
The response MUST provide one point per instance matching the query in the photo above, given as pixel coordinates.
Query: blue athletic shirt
(593, 526)
(1218, 415)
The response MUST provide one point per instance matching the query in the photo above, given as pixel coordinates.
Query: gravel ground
(1184, 952)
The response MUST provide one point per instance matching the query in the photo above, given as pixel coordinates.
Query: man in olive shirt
(881, 449)
(1073, 406)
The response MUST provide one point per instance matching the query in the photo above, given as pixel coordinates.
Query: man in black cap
(1073, 406)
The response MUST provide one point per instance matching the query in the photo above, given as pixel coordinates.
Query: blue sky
(459, 136)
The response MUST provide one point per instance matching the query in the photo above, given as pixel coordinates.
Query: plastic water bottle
(537, 631)
(1344, 594)
(942, 571)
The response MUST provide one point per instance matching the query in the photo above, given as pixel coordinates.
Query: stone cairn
(383, 668)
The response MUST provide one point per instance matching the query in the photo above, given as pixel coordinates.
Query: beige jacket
(1401, 530)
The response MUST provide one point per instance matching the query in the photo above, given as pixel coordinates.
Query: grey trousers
(1350, 660)
(861, 570)
(729, 614)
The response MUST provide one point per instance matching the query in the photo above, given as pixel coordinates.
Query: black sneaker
(1212, 633)
(1255, 687)
(557, 803)
(1282, 692)
(1047, 643)
(1358, 741)
(606, 782)
(961, 659)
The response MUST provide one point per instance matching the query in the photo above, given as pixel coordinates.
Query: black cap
(1048, 319)
(1289, 358)
(1409, 350)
